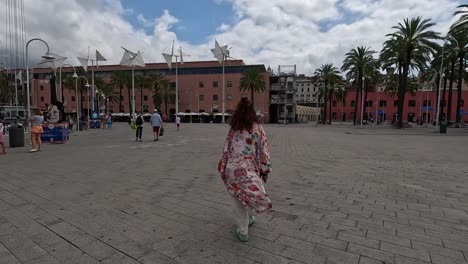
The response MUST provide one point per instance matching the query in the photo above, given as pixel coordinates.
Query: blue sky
(198, 19)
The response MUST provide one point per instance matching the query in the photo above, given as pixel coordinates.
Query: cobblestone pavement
(340, 195)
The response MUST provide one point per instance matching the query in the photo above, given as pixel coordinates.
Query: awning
(426, 108)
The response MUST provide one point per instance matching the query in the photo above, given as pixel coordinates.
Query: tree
(107, 93)
(120, 79)
(358, 62)
(158, 83)
(252, 80)
(460, 34)
(452, 61)
(463, 21)
(7, 88)
(142, 82)
(329, 76)
(411, 45)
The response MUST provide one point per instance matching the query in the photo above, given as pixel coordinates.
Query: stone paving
(340, 195)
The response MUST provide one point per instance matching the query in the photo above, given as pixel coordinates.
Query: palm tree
(158, 82)
(336, 93)
(358, 62)
(142, 82)
(7, 93)
(452, 59)
(411, 45)
(107, 92)
(460, 34)
(329, 76)
(119, 79)
(463, 21)
(252, 80)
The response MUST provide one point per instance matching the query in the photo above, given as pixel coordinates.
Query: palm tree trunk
(141, 98)
(449, 106)
(129, 99)
(356, 99)
(324, 118)
(252, 97)
(365, 102)
(443, 98)
(330, 107)
(81, 100)
(437, 96)
(402, 91)
(120, 98)
(459, 90)
(165, 101)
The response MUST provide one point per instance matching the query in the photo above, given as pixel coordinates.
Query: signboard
(55, 133)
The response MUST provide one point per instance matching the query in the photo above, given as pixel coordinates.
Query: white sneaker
(33, 150)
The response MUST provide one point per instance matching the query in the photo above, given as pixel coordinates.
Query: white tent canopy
(220, 114)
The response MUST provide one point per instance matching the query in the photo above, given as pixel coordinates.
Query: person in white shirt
(177, 120)
(156, 123)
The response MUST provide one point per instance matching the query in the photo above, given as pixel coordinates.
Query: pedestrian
(139, 124)
(2, 133)
(70, 124)
(244, 167)
(156, 122)
(177, 120)
(36, 131)
(109, 120)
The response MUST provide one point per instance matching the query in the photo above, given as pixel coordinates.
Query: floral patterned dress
(245, 157)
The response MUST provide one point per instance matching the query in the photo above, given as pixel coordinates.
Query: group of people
(244, 165)
(156, 122)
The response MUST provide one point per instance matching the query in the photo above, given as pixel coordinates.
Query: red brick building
(385, 106)
(200, 87)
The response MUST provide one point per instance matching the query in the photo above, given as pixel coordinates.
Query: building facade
(200, 88)
(419, 107)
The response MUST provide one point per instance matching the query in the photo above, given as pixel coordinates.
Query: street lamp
(46, 56)
(60, 77)
(77, 103)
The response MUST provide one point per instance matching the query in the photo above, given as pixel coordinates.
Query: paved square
(340, 195)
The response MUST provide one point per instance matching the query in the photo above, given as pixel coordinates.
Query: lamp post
(77, 102)
(60, 77)
(46, 56)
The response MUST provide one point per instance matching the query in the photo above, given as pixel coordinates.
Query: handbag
(133, 126)
(161, 131)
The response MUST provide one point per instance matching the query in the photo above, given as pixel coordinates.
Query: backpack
(139, 121)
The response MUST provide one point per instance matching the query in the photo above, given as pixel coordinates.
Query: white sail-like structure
(132, 59)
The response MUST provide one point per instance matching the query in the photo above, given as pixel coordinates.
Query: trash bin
(16, 133)
(443, 128)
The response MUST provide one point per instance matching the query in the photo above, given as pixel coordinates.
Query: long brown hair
(244, 117)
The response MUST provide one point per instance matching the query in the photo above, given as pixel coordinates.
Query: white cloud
(269, 32)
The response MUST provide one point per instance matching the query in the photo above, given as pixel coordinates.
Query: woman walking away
(245, 166)
(36, 131)
(2, 132)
